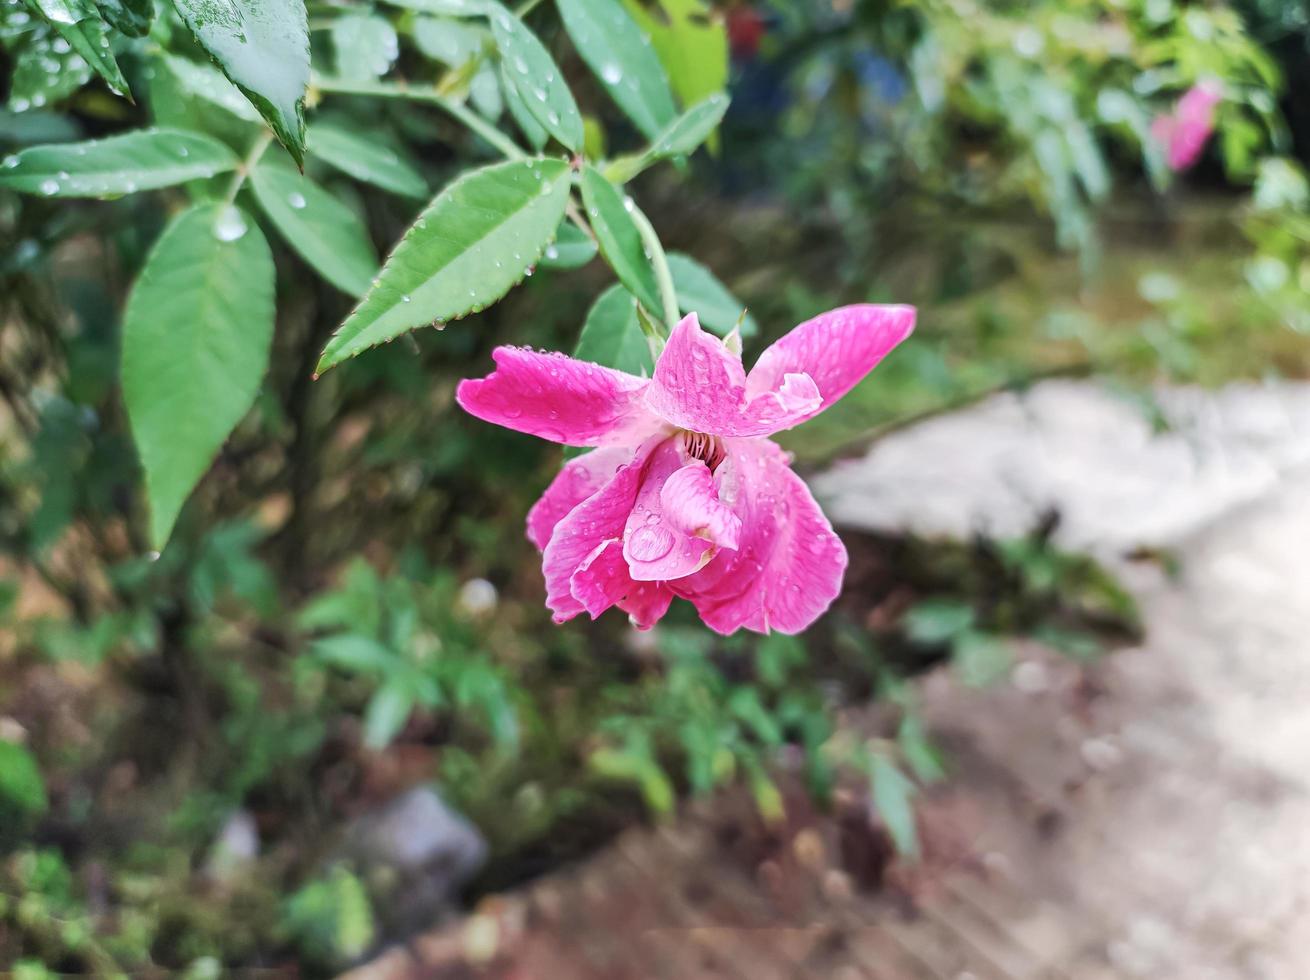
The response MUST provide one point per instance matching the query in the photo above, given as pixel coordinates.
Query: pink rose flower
(1184, 132)
(686, 495)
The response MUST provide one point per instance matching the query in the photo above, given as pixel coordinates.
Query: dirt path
(1146, 817)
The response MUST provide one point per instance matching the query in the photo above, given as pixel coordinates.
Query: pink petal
(560, 399)
(602, 578)
(789, 566)
(699, 384)
(1199, 101)
(691, 504)
(588, 525)
(835, 350)
(577, 481)
(655, 548)
(1188, 143)
(602, 581)
(1162, 130)
(1185, 133)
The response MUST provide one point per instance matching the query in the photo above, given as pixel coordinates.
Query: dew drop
(49, 187)
(230, 225)
(296, 200)
(611, 73)
(405, 298)
(650, 542)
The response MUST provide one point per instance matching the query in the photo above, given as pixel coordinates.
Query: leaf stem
(574, 214)
(393, 90)
(257, 149)
(660, 263)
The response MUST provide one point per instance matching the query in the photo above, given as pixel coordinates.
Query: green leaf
(366, 157)
(484, 92)
(445, 8)
(387, 712)
(775, 657)
(620, 241)
(636, 765)
(331, 919)
(132, 17)
(682, 136)
(263, 46)
(981, 659)
(210, 85)
(196, 334)
(893, 796)
(701, 293)
(745, 704)
(921, 755)
(78, 22)
(325, 233)
(449, 41)
(22, 790)
(614, 47)
(46, 69)
(612, 337)
(692, 43)
(531, 129)
(571, 249)
(536, 78)
(365, 46)
(768, 798)
(353, 653)
(136, 161)
(465, 251)
(936, 621)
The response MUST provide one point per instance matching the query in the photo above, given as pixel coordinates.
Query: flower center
(707, 448)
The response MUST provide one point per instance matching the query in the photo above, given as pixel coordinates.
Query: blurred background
(1053, 727)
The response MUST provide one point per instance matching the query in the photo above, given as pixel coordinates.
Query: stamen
(707, 448)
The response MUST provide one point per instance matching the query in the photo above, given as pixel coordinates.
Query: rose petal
(789, 565)
(833, 351)
(561, 399)
(597, 519)
(602, 580)
(690, 503)
(699, 384)
(578, 480)
(656, 550)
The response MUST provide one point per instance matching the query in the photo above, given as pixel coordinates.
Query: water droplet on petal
(650, 543)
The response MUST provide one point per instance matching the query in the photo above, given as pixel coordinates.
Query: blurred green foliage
(348, 605)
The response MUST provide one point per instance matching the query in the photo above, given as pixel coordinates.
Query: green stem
(257, 149)
(660, 262)
(574, 214)
(391, 90)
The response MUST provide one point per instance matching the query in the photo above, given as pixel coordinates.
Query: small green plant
(408, 643)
